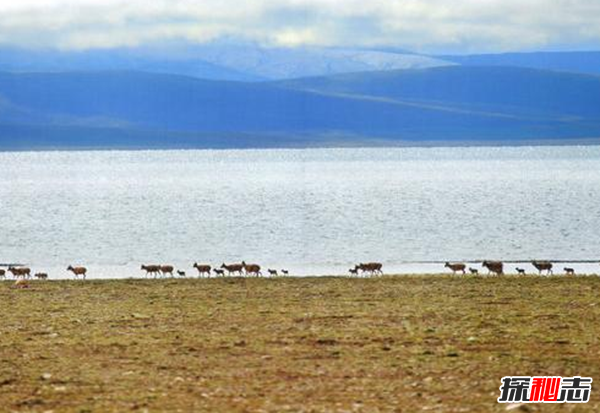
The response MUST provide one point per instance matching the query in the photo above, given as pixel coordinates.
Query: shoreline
(373, 144)
(324, 277)
(133, 271)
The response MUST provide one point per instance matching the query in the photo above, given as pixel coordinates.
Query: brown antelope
(473, 271)
(285, 272)
(202, 269)
(569, 271)
(78, 271)
(459, 266)
(273, 272)
(233, 268)
(219, 271)
(372, 267)
(2, 273)
(181, 273)
(251, 269)
(20, 272)
(151, 269)
(520, 271)
(496, 267)
(353, 271)
(543, 266)
(41, 275)
(166, 269)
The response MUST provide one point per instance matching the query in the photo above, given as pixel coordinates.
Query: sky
(427, 26)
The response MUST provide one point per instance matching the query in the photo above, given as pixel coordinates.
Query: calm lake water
(311, 211)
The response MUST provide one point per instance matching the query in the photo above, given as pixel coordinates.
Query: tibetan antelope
(219, 271)
(285, 272)
(569, 271)
(181, 273)
(233, 268)
(496, 267)
(372, 267)
(151, 269)
(273, 272)
(78, 271)
(2, 273)
(353, 271)
(543, 266)
(456, 267)
(473, 271)
(41, 275)
(202, 269)
(520, 271)
(166, 269)
(20, 272)
(251, 269)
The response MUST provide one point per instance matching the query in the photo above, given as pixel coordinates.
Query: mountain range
(190, 98)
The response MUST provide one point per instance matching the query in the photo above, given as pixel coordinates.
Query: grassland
(408, 344)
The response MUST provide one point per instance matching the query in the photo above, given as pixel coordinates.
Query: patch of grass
(410, 343)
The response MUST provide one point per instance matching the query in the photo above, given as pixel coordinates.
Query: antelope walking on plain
(353, 271)
(473, 271)
(24, 272)
(372, 267)
(181, 273)
(219, 271)
(251, 269)
(41, 275)
(520, 271)
(78, 271)
(496, 267)
(151, 269)
(233, 268)
(285, 272)
(543, 266)
(569, 271)
(166, 269)
(202, 269)
(3, 274)
(272, 272)
(456, 267)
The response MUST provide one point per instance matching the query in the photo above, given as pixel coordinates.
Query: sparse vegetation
(410, 343)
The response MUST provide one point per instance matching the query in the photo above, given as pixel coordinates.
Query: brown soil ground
(407, 344)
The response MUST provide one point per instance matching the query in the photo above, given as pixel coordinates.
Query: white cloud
(426, 25)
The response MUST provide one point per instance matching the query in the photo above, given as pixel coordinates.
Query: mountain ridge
(448, 104)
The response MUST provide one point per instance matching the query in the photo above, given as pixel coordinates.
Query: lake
(313, 211)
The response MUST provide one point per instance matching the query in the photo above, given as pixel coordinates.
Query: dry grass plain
(406, 344)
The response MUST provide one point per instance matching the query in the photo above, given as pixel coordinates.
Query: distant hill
(516, 92)
(446, 104)
(250, 62)
(577, 62)
(43, 61)
(284, 63)
(215, 61)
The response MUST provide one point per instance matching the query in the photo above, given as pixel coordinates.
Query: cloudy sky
(460, 26)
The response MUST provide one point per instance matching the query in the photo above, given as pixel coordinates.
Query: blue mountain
(219, 60)
(40, 60)
(444, 104)
(577, 62)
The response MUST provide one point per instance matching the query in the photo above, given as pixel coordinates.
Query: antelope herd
(205, 270)
(497, 267)
(21, 272)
